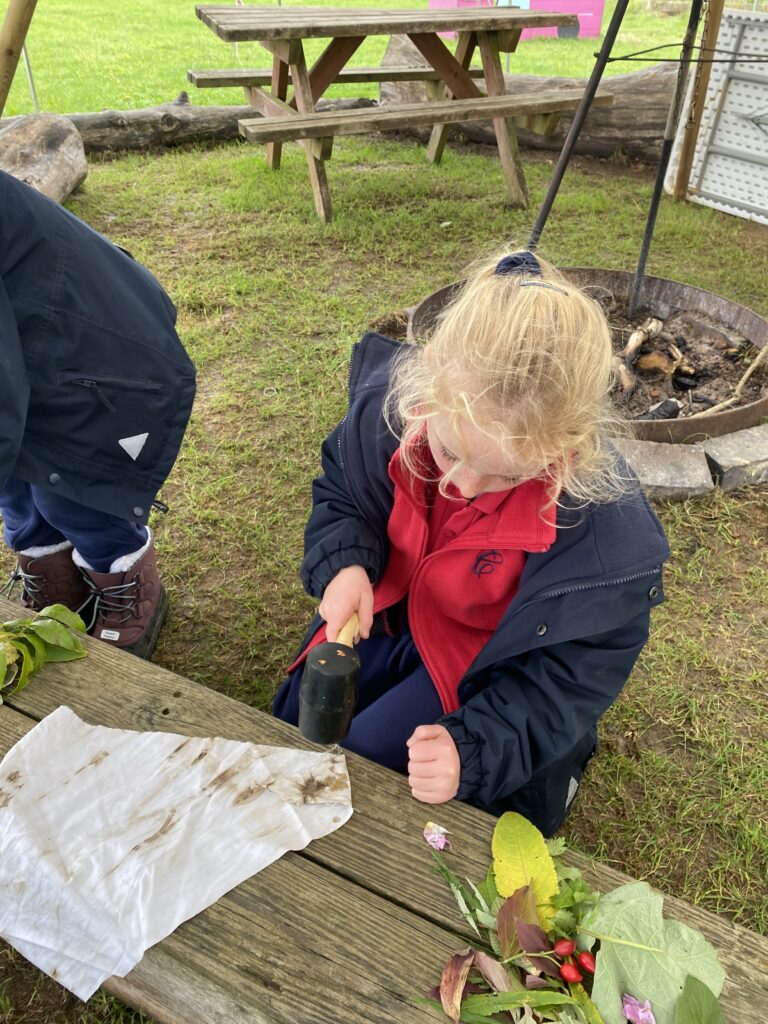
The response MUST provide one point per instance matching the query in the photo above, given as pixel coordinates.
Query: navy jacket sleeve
(537, 707)
(14, 389)
(337, 534)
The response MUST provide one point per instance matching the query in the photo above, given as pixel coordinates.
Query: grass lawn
(99, 54)
(270, 302)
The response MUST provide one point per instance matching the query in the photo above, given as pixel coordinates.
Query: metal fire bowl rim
(672, 296)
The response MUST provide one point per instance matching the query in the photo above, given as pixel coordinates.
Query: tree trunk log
(170, 124)
(634, 124)
(45, 151)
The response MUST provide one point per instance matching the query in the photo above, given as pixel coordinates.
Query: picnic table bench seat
(244, 77)
(538, 113)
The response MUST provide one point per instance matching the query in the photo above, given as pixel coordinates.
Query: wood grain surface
(355, 927)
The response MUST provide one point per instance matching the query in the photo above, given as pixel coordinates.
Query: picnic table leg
(506, 136)
(464, 51)
(302, 93)
(453, 74)
(279, 89)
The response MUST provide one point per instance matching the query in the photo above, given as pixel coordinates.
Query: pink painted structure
(589, 13)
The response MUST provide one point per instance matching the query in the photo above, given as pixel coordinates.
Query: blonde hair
(526, 358)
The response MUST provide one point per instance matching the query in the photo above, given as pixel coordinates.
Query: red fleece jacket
(459, 562)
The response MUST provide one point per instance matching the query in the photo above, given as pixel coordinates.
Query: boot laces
(120, 599)
(32, 584)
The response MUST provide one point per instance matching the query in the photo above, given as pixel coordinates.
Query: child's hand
(434, 766)
(349, 591)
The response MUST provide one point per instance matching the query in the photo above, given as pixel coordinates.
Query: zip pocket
(96, 382)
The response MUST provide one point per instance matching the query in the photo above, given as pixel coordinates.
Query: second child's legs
(395, 695)
(93, 562)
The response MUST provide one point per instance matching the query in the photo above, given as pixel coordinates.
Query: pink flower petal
(636, 1012)
(436, 836)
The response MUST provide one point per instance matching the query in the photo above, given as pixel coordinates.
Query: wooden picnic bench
(452, 81)
(356, 927)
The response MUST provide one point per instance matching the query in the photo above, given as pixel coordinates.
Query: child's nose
(470, 484)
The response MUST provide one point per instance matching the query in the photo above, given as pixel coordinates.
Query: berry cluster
(569, 971)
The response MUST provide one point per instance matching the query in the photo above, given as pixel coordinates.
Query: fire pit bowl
(661, 298)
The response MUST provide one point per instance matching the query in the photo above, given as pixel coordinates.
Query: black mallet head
(328, 690)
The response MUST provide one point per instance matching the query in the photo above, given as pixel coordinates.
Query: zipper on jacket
(95, 383)
(591, 586)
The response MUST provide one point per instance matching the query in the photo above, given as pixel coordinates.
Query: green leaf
(495, 1002)
(53, 653)
(520, 858)
(23, 669)
(487, 888)
(586, 1005)
(697, 1005)
(631, 917)
(55, 633)
(65, 615)
(35, 647)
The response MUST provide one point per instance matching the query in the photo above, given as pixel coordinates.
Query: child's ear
(428, 356)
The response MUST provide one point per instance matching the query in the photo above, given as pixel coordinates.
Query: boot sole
(145, 647)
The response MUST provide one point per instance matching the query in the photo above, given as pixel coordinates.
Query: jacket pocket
(101, 384)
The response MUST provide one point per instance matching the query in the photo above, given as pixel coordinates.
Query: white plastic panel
(730, 164)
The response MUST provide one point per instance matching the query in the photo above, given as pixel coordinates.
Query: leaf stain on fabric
(221, 779)
(95, 761)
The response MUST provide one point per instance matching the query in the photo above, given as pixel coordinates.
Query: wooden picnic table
(352, 929)
(282, 31)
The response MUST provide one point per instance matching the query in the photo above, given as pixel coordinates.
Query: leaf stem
(620, 942)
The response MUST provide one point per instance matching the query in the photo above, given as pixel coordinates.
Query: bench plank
(233, 78)
(409, 115)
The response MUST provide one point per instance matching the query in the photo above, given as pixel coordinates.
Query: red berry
(586, 962)
(564, 947)
(571, 973)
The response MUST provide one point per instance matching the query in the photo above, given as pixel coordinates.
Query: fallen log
(170, 124)
(634, 124)
(45, 151)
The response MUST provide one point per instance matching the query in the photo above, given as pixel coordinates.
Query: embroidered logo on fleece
(486, 562)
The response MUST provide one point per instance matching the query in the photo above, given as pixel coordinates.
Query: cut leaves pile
(549, 948)
(53, 634)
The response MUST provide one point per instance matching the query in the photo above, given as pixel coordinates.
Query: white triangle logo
(133, 445)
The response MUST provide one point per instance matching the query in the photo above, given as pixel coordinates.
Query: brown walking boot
(49, 579)
(130, 607)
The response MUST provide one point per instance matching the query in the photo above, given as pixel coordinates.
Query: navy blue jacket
(569, 638)
(89, 357)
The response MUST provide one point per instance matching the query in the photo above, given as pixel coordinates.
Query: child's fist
(349, 591)
(434, 767)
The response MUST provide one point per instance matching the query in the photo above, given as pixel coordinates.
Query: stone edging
(679, 471)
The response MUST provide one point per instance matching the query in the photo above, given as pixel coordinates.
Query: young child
(95, 393)
(500, 555)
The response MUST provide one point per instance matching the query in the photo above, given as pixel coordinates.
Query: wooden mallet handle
(348, 631)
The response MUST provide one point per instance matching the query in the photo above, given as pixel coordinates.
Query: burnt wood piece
(233, 78)
(354, 122)
(46, 152)
(261, 953)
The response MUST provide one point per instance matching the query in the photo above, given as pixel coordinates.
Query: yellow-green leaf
(521, 857)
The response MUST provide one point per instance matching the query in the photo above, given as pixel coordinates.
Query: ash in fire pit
(683, 365)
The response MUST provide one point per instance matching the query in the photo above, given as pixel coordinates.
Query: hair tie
(519, 263)
(524, 265)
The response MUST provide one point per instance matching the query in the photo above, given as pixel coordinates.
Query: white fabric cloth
(111, 838)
